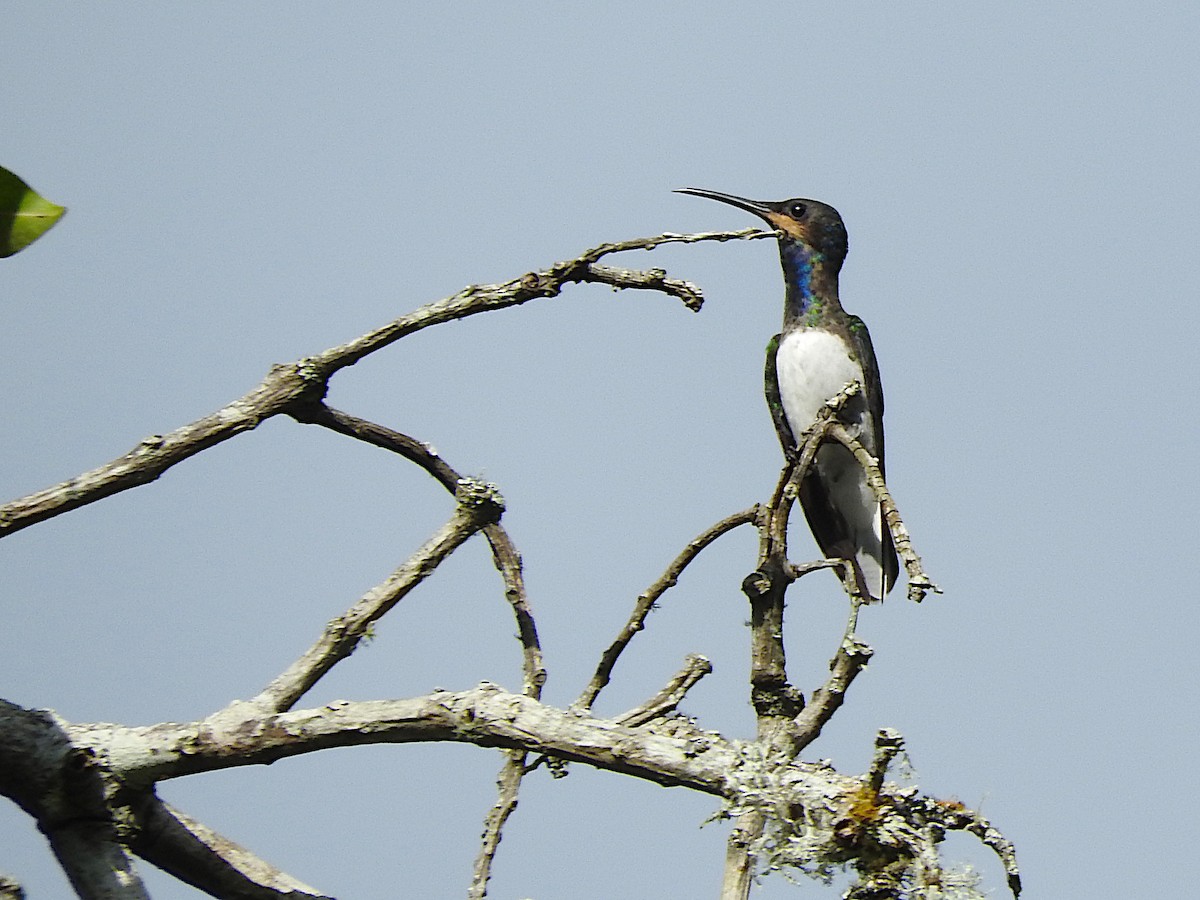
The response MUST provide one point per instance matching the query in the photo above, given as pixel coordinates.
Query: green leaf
(25, 215)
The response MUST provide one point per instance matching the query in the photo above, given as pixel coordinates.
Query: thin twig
(549, 282)
(828, 426)
(672, 694)
(889, 743)
(478, 505)
(919, 584)
(508, 785)
(796, 469)
(669, 237)
(958, 817)
(504, 553)
(646, 600)
(508, 563)
(410, 448)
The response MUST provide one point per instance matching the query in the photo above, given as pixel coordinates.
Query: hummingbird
(819, 351)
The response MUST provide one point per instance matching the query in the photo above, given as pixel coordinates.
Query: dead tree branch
(816, 819)
(786, 724)
(197, 855)
(91, 787)
(478, 504)
(647, 600)
(307, 380)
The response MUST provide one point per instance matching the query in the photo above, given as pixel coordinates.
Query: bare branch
(549, 282)
(307, 380)
(504, 553)
(157, 453)
(197, 855)
(649, 597)
(508, 563)
(749, 234)
(813, 818)
(919, 584)
(478, 505)
(671, 695)
(739, 873)
(91, 787)
(889, 744)
(958, 818)
(828, 426)
(96, 863)
(66, 786)
(486, 716)
(379, 436)
(785, 725)
(851, 657)
(508, 785)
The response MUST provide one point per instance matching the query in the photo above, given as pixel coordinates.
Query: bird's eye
(797, 210)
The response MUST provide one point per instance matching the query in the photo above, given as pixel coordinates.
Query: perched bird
(820, 350)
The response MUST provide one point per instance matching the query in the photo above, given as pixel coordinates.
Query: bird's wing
(874, 391)
(872, 388)
(775, 402)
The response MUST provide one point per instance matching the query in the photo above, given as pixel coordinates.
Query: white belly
(812, 367)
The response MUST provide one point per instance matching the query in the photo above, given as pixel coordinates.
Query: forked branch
(306, 381)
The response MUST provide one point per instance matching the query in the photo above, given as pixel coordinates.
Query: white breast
(812, 367)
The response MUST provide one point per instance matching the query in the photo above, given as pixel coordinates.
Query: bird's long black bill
(755, 206)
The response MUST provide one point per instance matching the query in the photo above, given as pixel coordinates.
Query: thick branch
(815, 817)
(486, 717)
(66, 786)
(738, 876)
(96, 862)
(157, 453)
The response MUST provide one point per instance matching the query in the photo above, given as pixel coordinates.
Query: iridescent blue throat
(799, 265)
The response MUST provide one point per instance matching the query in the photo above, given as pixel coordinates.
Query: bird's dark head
(816, 225)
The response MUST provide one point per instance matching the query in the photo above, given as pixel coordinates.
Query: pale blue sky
(252, 183)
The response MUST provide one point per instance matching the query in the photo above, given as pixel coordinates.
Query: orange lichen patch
(864, 806)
